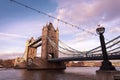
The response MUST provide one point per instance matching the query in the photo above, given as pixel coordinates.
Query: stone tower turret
(31, 53)
(48, 51)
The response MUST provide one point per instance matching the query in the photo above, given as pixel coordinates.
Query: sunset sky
(17, 23)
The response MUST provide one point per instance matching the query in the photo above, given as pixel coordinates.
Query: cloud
(82, 11)
(10, 55)
(26, 28)
(115, 30)
(11, 35)
(110, 8)
(15, 34)
(87, 14)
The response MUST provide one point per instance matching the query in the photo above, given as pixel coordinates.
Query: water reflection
(54, 75)
(69, 74)
(42, 75)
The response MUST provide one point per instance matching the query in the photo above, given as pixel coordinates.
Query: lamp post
(106, 64)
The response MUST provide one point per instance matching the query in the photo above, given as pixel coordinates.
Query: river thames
(71, 73)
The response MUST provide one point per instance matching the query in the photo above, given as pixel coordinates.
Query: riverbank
(90, 63)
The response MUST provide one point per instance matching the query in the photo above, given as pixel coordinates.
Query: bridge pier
(42, 64)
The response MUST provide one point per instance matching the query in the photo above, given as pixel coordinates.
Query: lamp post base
(107, 65)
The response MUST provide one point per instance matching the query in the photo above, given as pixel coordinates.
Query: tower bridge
(50, 50)
(47, 51)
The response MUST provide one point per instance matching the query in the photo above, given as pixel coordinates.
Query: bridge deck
(111, 57)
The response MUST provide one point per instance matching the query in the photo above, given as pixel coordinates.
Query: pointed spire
(57, 29)
(31, 40)
(50, 25)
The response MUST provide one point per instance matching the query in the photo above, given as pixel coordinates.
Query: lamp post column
(106, 64)
(104, 52)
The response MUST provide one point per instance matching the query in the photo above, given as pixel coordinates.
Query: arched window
(51, 55)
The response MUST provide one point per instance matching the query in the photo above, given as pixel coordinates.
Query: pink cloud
(87, 14)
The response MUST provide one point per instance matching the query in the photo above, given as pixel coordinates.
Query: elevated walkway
(63, 59)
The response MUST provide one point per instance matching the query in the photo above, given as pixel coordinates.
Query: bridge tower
(48, 50)
(31, 51)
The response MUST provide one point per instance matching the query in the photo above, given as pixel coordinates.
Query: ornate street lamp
(106, 64)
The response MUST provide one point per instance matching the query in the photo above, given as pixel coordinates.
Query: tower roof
(50, 26)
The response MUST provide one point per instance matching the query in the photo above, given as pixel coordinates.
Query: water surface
(71, 73)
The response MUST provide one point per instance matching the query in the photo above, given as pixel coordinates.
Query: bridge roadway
(95, 57)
